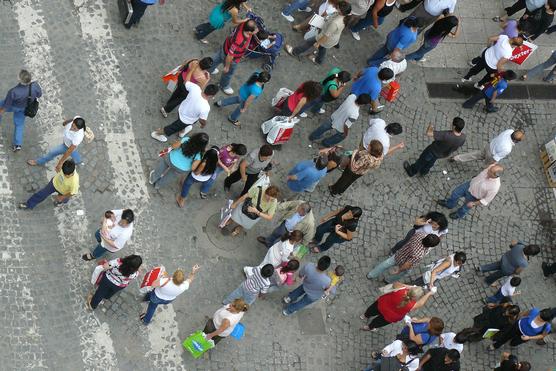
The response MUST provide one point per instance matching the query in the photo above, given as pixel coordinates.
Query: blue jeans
(240, 292)
(495, 267)
(154, 301)
(538, 69)
(276, 233)
(105, 290)
(333, 238)
(189, 181)
(326, 126)
(295, 5)
(57, 151)
(297, 304)
(461, 191)
(218, 59)
(420, 53)
(139, 8)
(234, 116)
(424, 163)
(307, 45)
(98, 251)
(213, 178)
(41, 195)
(379, 56)
(496, 298)
(365, 22)
(315, 105)
(382, 267)
(19, 123)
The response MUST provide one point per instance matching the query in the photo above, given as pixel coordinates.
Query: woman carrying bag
(224, 320)
(219, 16)
(202, 173)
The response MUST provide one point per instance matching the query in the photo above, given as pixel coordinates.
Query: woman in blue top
(533, 325)
(184, 155)
(200, 174)
(423, 331)
(247, 94)
(219, 16)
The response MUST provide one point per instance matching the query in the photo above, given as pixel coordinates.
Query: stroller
(256, 48)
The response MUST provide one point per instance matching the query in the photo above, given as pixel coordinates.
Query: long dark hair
(130, 265)
(211, 161)
(443, 27)
(262, 77)
(343, 76)
(196, 144)
(310, 90)
(229, 4)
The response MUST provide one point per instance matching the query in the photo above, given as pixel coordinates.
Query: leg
(229, 101)
(189, 181)
(486, 78)
(401, 243)
(276, 234)
(346, 179)
(538, 69)
(419, 281)
(54, 152)
(480, 64)
(76, 156)
(233, 178)
(151, 309)
(334, 139)
(251, 179)
(496, 266)
(300, 304)
(372, 310)
(550, 76)
(295, 5)
(296, 293)
(378, 56)
(19, 126)
(410, 5)
(99, 251)
(203, 30)
(363, 23)
(236, 294)
(321, 54)
(464, 209)
(332, 239)
(209, 327)
(139, 8)
(506, 335)
(217, 59)
(322, 229)
(496, 298)
(423, 164)
(391, 278)
(177, 97)
(457, 193)
(382, 267)
(41, 195)
(470, 156)
(319, 132)
(311, 105)
(174, 127)
(97, 235)
(205, 186)
(491, 278)
(304, 47)
(160, 170)
(516, 7)
(234, 116)
(105, 290)
(470, 103)
(227, 77)
(420, 53)
(378, 322)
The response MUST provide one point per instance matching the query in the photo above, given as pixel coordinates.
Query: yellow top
(66, 184)
(334, 279)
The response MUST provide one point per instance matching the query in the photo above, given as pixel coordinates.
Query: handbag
(150, 277)
(281, 96)
(89, 135)
(32, 105)
(197, 344)
(249, 202)
(98, 272)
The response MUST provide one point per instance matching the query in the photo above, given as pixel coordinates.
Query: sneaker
(151, 181)
(443, 203)
(463, 79)
(422, 60)
(289, 18)
(285, 313)
(322, 110)
(182, 133)
(203, 196)
(306, 10)
(218, 103)
(287, 299)
(477, 86)
(454, 216)
(356, 35)
(163, 111)
(22, 206)
(215, 72)
(16, 148)
(159, 137)
(303, 115)
(228, 91)
(471, 64)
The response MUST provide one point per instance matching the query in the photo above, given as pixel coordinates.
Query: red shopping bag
(171, 78)
(521, 53)
(150, 277)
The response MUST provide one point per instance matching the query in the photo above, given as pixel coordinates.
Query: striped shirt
(413, 251)
(256, 283)
(116, 277)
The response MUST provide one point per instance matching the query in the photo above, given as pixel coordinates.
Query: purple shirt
(511, 29)
(225, 157)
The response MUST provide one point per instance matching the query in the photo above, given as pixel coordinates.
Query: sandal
(236, 231)
(32, 163)
(142, 316)
(88, 301)
(289, 50)
(180, 200)
(236, 123)
(87, 257)
(316, 250)
(523, 78)
(374, 355)
(367, 328)
(363, 318)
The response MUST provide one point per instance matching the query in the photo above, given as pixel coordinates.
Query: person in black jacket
(539, 21)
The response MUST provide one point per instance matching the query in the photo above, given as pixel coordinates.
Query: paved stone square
(88, 64)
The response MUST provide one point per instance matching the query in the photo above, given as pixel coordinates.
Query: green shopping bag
(300, 251)
(197, 344)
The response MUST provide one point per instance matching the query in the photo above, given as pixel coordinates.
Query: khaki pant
(484, 155)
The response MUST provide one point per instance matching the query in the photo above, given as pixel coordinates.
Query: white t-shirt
(377, 131)
(194, 107)
(449, 343)
(427, 228)
(120, 235)
(346, 114)
(395, 348)
(502, 145)
(507, 289)
(436, 7)
(278, 253)
(222, 314)
(396, 67)
(170, 290)
(201, 177)
(502, 49)
(73, 137)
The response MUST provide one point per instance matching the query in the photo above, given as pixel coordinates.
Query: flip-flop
(32, 163)
(236, 231)
(180, 204)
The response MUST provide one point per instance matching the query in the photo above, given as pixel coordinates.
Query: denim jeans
(295, 5)
(234, 116)
(424, 163)
(326, 126)
(213, 178)
(495, 267)
(105, 290)
(41, 195)
(538, 69)
(139, 8)
(218, 59)
(379, 56)
(461, 191)
(333, 238)
(57, 151)
(276, 234)
(203, 30)
(365, 22)
(154, 301)
(306, 46)
(496, 298)
(296, 303)
(98, 251)
(165, 172)
(420, 53)
(315, 105)
(189, 181)
(382, 267)
(240, 292)
(19, 122)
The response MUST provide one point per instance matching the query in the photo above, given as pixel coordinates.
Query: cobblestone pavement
(90, 65)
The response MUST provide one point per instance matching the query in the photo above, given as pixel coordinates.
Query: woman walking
(248, 93)
(432, 222)
(375, 17)
(423, 331)
(284, 275)
(406, 353)
(361, 162)
(393, 306)
(257, 203)
(202, 173)
(304, 94)
(228, 160)
(224, 320)
(194, 70)
(332, 87)
(532, 325)
(439, 30)
(183, 155)
(219, 16)
(166, 291)
(340, 226)
(118, 274)
(280, 252)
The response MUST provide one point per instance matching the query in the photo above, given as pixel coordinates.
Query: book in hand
(490, 333)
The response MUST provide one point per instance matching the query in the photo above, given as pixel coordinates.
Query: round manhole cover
(222, 238)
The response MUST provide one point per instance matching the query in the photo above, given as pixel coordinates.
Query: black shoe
(454, 216)
(16, 148)
(443, 203)
(478, 269)
(544, 267)
(407, 168)
(262, 240)
(86, 257)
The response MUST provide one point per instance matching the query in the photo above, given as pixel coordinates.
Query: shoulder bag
(32, 105)
(249, 202)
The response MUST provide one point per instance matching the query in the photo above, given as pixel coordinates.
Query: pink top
(285, 278)
(294, 99)
(484, 188)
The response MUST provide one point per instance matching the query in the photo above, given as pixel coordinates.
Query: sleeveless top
(446, 272)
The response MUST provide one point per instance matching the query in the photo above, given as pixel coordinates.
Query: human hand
(242, 110)
(338, 228)
(58, 168)
(470, 204)
(525, 337)
(252, 209)
(195, 268)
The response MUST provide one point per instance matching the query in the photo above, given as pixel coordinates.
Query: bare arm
(421, 302)
(395, 148)
(430, 131)
(236, 20)
(65, 156)
(199, 168)
(221, 329)
(330, 215)
(248, 102)
(445, 264)
(298, 107)
(500, 64)
(377, 8)
(242, 170)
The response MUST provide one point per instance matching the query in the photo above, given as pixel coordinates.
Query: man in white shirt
(116, 230)
(194, 108)
(492, 58)
(429, 10)
(480, 190)
(397, 63)
(498, 148)
(341, 120)
(378, 130)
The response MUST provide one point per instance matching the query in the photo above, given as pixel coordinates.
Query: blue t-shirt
(307, 175)
(401, 37)
(179, 160)
(525, 324)
(246, 90)
(500, 86)
(148, 2)
(314, 281)
(421, 329)
(368, 83)
(513, 259)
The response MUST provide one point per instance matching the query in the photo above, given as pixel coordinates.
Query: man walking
(315, 283)
(400, 38)
(16, 101)
(445, 143)
(491, 91)
(406, 257)
(295, 215)
(480, 190)
(254, 286)
(495, 151)
(305, 175)
(116, 229)
(379, 130)
(369, 81)
(249, 168)
(514, 261)
(430, 10)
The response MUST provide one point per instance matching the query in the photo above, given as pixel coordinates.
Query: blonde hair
(240, 305)
(413, 293)
(178, 277)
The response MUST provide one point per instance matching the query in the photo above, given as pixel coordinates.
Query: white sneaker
(477, 86)
(159, 137)
(289, 18)
(356, 36)
(215, 72)
(307, 10)
(470, 64)
(422, 60)
(181, 133)
(228, 91)
(151, 181)
(287, 299)
(322, 110)
(303, 115)
(463, 79)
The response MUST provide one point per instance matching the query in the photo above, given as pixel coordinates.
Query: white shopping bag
(281, 131)
(282, 94)
(313, 32)
(263, 180)
(225, 214)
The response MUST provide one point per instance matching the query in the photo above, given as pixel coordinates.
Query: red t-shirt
(236, 44)
(294, 99)
(388, 305)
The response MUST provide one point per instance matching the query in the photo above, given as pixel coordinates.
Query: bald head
(397, 55)
(495, 171)
(518, 135)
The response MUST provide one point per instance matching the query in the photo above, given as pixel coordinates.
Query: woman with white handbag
(449, 266)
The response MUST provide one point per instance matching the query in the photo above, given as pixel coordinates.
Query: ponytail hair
(343, 76)
(413, 293)
(262, 77)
